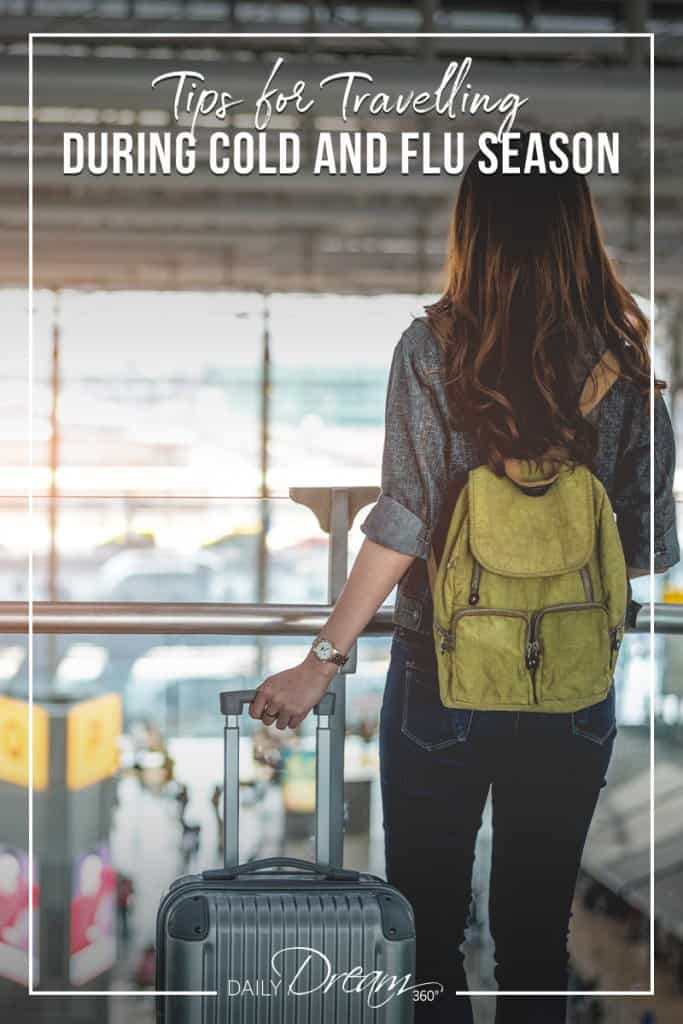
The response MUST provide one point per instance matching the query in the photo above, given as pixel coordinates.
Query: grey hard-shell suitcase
(280, 940)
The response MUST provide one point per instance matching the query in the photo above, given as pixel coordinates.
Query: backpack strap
(453, 489)
(527, 474)
(597, 384)
(599, 381)
(432, 568)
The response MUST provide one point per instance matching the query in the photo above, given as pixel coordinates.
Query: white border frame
(348, 35)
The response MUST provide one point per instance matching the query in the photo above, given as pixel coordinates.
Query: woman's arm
(632, 489)
(290, 695)
(398, 528)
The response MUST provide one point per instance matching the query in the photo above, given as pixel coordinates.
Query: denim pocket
(425, 720)
(596, 723)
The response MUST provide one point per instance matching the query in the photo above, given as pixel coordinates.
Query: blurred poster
(93, 904)
(14, 915)
(298, 781)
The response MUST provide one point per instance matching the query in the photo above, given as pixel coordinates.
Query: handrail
(167, 617)
(225, 619)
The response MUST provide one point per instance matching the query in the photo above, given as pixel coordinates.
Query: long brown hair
(529, 284)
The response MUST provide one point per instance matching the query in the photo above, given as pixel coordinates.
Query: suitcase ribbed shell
(229, 939)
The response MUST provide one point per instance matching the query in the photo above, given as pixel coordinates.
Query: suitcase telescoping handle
(232, 703)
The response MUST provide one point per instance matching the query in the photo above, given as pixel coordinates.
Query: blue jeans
(437, 765)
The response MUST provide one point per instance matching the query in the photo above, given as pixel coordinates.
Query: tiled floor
(604, 951)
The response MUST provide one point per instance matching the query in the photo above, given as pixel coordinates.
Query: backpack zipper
(533, 647)
(587, 583)
(448, 635)
(616, 636)
(474, 583)
(570, 607)
(445, 644)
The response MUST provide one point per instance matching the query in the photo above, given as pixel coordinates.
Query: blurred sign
(92, 741)
(298, 781)
(673, 595)
(14, 914)
(14, 763)
(93, 904)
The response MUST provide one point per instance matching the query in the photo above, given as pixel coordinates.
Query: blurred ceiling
(361, 234)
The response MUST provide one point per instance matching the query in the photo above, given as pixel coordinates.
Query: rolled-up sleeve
(416, 452)
(632, 499)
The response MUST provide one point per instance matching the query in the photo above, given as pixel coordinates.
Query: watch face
(323, 649)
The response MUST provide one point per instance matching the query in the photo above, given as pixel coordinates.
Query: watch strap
(336, 658)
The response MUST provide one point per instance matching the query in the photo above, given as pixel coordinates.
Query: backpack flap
(513, 533)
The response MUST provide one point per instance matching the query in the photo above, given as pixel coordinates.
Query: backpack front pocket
(482, 659)
(575, 653)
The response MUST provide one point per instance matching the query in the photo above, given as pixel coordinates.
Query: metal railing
(335, 508)
(225, 619)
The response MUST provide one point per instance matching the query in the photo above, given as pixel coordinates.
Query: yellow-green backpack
(530, 593)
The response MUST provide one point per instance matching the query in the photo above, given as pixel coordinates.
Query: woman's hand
(290, 695)
(287, 697)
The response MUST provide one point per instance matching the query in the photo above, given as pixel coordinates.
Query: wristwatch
(325, 651)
